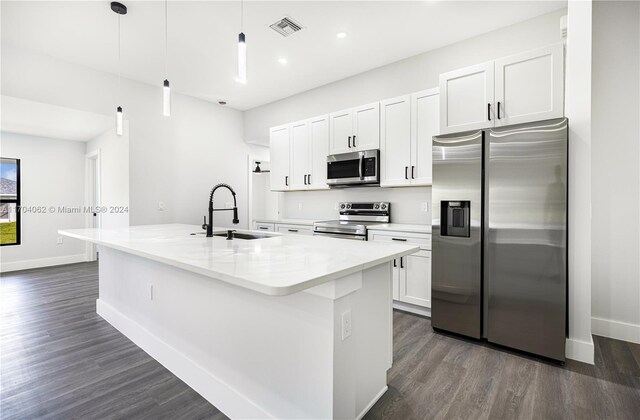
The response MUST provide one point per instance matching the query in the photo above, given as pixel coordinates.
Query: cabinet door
(319, 142)
(530, 86)
(341, 132)
(299, 155)
(366, 127)
(395, 141)
(279, 140)
(415, 282)
(395, 277)
(425, 123)
(466, 99)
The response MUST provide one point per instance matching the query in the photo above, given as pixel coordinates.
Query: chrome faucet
(209, 226)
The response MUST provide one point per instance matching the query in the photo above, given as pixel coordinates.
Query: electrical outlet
(161, 206)
(346, 324)
(424, 206)
(59, 240)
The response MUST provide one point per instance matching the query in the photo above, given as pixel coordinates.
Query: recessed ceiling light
(341, 35)
(282, 60)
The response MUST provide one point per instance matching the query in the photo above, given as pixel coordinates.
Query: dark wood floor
(60, 360)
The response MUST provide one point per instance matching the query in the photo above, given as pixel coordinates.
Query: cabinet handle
(292, 230)
(489, 112)
(498, 109)
(286, 180)
(406, 169)
(354, 140)
(309, 179)
(305, 179)
(263, 228)
(413, 175)
(395, 263)
(349, 142)
(401, 265)
(399, 239)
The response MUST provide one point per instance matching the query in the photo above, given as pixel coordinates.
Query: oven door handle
(360, 164)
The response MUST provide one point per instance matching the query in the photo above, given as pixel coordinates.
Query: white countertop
(279, 265)
(400, 227)
(287, 221)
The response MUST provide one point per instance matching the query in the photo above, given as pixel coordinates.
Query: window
(9, 201)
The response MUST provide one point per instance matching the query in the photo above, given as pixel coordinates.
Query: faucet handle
(204, 222)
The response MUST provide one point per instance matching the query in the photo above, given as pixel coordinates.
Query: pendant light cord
(241, 15)
(166, 40)
(119, 57)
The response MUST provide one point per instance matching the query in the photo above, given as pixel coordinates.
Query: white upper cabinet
(407, 125)
(355, 129)
(517, 89)
(366, 125)
(466, 98)
(529, 86)
(425, 123)
(341, 131)
(279, 141)
(319, 150)
(299, 165)
(395, 141)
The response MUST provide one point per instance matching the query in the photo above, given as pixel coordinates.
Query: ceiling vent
(286, 26)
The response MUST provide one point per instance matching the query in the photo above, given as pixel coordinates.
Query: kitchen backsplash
(406, 203)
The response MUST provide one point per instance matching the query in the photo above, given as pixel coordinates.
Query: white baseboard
(615, 329)
(41, 262)
(372, 402)
(225, 398)
(581, 351)
(415, 309)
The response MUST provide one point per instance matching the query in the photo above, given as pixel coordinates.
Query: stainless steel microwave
(354, 168)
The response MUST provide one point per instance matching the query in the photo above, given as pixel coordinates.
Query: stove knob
(384, 206)
(342, 206)
(348, 206)
(377, 206)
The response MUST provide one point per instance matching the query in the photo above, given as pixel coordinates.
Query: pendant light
(119, 9)
(242, 49)
(166, 90)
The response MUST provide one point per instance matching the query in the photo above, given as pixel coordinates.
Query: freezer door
(456, 233)
(526, 237)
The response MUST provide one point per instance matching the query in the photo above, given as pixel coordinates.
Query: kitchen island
(284, 326)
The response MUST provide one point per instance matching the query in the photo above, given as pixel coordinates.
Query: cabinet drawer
(265, 226)
(294, 229)
(423, 240)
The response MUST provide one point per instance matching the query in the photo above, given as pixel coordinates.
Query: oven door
(355, 168)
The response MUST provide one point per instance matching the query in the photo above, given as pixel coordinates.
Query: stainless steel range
(354, 220)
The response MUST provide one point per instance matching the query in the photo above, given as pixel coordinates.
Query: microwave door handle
(361, 163)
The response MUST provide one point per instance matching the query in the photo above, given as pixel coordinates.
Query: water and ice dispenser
(456, 218)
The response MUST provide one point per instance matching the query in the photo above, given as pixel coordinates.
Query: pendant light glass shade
(242, 59)
(166, 99)
(119, 121)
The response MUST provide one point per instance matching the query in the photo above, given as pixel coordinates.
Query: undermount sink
(240, 235)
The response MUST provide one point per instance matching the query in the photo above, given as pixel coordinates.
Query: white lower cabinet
(269, 227)
(294, 229)
(411, 274)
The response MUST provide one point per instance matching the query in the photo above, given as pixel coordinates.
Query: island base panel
(253, 355)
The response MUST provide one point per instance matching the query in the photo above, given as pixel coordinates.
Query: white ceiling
(203, 39)
(50, 121)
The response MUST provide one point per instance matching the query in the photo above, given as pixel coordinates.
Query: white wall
(402, 77)
(175, 160)
(578, 111)
(114, 175)
(51, 175)
(615, 170)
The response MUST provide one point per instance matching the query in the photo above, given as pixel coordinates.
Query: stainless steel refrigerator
(499, 236)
